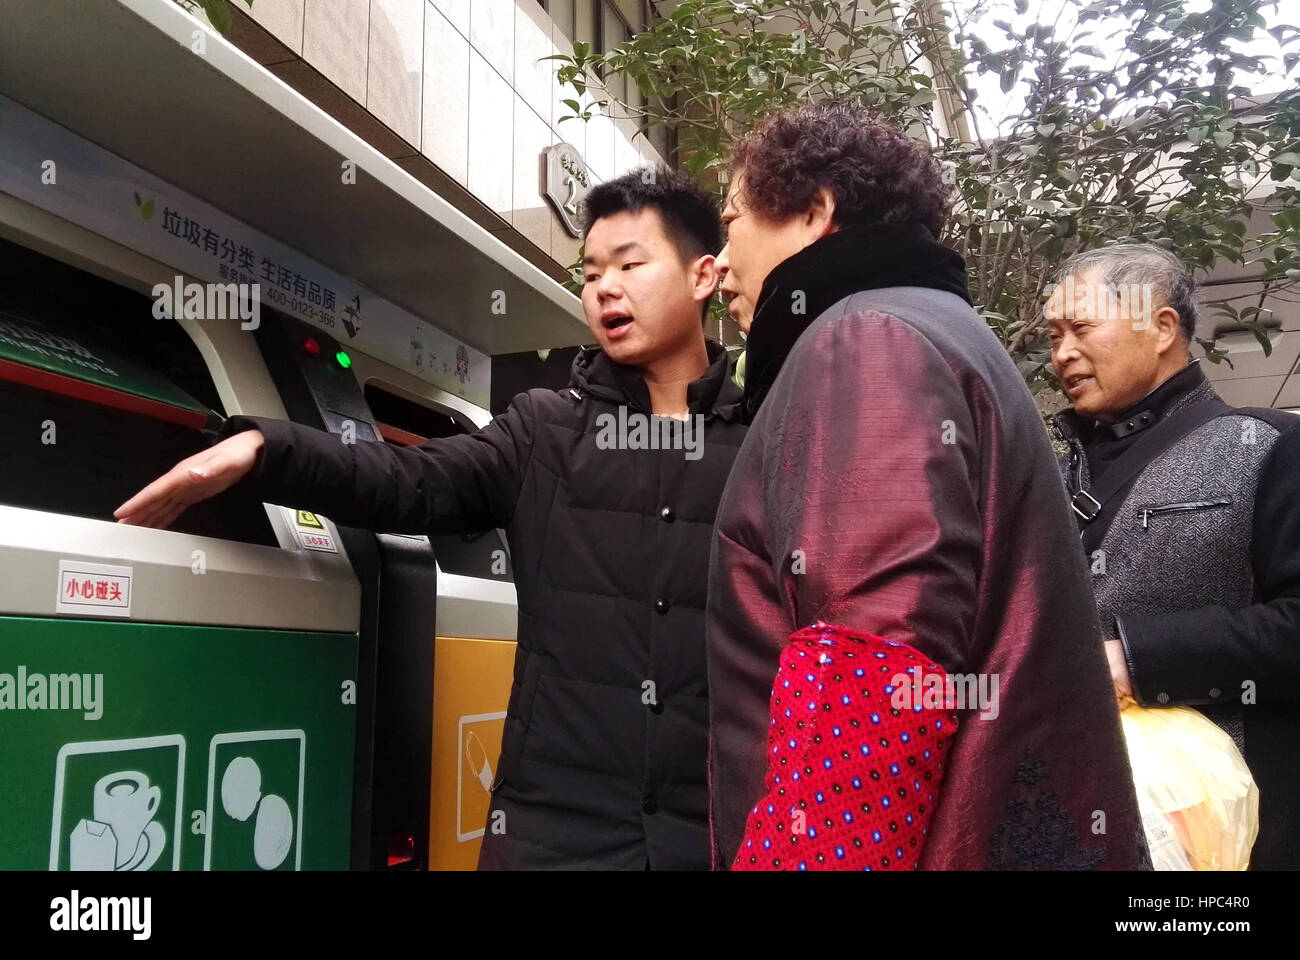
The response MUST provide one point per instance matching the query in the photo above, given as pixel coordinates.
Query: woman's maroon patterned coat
(897, 480)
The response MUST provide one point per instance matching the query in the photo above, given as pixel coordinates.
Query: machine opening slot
(413, 422)
(98, 398)
(405, 423)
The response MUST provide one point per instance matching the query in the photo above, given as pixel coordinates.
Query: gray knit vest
(1182, 537)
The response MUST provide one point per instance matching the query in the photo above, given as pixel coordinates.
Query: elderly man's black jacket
(1198, 574)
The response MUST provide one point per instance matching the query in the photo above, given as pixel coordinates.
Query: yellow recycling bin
(471, 688)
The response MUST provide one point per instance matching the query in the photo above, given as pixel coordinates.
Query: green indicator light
(344, 360)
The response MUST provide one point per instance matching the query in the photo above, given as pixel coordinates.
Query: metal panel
(243, 585)
(473, 607)
(190, 118)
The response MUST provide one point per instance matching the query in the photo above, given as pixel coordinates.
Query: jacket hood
(594, 374)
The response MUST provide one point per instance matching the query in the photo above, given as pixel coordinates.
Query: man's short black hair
(690, 214)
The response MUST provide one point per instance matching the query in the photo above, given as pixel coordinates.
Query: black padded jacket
(603, 754)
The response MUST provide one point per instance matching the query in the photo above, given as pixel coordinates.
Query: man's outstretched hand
(193, 480)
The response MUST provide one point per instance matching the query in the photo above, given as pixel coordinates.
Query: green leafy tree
(217, 11)
(1137, 121)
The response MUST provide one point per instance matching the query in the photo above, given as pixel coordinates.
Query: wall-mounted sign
(116, 199)
(565, 183)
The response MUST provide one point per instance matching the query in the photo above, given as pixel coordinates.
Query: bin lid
(79, 364)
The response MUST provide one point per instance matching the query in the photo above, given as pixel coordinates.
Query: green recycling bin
(181, 699)
(134, 746)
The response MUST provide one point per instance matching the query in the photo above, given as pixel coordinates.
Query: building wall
(456, 92)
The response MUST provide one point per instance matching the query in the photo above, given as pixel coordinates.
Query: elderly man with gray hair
(1188, 510)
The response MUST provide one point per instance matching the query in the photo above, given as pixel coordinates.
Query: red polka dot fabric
(852, 781)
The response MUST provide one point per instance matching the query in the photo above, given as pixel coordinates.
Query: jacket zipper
(1148, 512)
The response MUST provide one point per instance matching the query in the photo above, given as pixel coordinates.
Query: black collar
(853, 259)
(594, 374)
(1145, 412)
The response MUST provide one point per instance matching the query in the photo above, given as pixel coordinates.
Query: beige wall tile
(283, 18)
(334, 42)
(570, 131)
(492, 33)
(532, 214)
(649, 155)
(321, 91)
(396, 65)
(631, 9)
(533, 75)
(626, 139)
(491, 135)
(444, 135)
(599, 152)
(574, 133)
(456, 12)
(564, 248)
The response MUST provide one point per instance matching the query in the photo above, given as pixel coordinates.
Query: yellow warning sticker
(308, 519)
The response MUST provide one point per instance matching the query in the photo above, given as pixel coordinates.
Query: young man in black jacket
(603, 755)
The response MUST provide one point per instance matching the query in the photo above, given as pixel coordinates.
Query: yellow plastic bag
(1198, 800)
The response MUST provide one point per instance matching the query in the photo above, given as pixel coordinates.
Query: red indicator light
(311, 346)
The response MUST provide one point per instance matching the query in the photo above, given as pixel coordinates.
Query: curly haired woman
(951, 709)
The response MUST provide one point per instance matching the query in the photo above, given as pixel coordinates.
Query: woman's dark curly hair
(876, 174)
